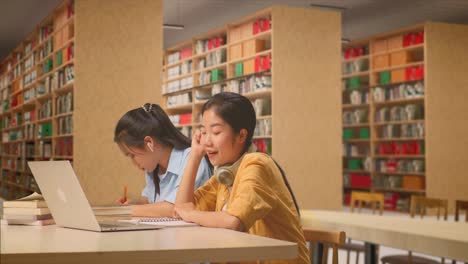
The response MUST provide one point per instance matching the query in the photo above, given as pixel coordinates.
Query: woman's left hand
(184, 211)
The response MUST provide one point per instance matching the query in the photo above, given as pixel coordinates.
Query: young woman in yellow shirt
(249, 191)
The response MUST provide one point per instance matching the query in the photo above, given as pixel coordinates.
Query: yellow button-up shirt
(260, 199)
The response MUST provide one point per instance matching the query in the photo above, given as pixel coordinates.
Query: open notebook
(162, 221)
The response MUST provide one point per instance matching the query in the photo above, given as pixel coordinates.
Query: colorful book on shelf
(112, 210)
(161, 221)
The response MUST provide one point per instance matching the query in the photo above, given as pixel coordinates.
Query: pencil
(125, 193)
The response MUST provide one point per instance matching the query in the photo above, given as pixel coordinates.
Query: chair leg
(325, 254)
(357, 257)
(347, 256)
(335, 254)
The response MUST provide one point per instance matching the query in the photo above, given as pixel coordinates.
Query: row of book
(179, 55)
(12, 135)
(263, 127)
(263, 145)
(182, 69)
(179, 99)
(65, 125)
(182, 119)
(64, 103)
(402, 91)
(45, 110)
(204, 45)
(357, 116)
(212, 59)
(355, 66)
(44, 130)
(353, 150)
(64, 147)
(44, 149)
(399, 148)
(178, 85)
(400, 165)
(358, 97)
(250, 84)
(404, 130)
(400, 113)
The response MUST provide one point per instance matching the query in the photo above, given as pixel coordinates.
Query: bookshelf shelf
(258, 94)
(262, 53)
(399, 190)
(41, 47)
(398, 139)
(201, 55)
(399, 156)
(401, 101)
(266, 35)
(63, 115)
(400, 173)
(409, 48)
(356, 171)
(262, 137)
(357, 74)
(364, 57)
(44, 120)
(207, 69)
(176, 78)
(350, 106)
(399, 122)
(356, 125)
(418, 63)
(63, 136)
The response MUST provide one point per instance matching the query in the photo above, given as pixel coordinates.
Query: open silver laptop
(67, 201)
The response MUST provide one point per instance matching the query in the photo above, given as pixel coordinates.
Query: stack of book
(30, 210)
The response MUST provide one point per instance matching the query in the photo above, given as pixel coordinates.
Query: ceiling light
(329, 7)
(173, 26)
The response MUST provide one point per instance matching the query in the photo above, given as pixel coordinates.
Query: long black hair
(238, 112)
(148, 120)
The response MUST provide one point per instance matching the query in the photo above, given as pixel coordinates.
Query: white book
(161, 221)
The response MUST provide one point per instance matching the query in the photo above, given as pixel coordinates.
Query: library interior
(351, 147)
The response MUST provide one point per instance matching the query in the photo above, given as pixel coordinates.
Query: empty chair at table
(420, 204)
(372, 199)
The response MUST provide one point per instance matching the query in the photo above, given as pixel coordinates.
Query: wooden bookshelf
(437, 130)
(110, 81)
(28, 85)
(291, 93)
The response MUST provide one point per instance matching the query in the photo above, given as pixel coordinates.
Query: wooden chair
(422, 204)
(368, 198)
(328, 238)
(362, 197)
(461, 205)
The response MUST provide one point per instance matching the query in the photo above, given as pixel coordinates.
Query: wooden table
(52, 244)
(436, 238)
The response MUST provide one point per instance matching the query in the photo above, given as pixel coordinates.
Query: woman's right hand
(197, 145)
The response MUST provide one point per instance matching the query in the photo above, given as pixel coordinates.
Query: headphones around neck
(225, 174)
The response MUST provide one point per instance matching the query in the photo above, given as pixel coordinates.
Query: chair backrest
(328, 238)
(372, 198)
(461, 205)
(423, 203)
